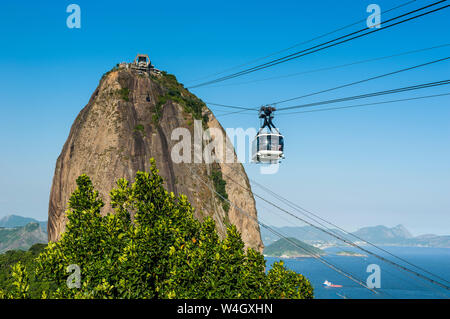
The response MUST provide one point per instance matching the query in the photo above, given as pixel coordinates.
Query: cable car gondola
(268, 145)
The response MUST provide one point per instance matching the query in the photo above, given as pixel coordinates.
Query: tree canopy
(151, 246)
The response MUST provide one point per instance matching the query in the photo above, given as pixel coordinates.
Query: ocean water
(395, 283)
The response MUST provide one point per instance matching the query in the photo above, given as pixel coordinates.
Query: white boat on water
(326, 283)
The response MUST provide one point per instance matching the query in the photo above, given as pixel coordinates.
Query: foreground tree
(162, 252)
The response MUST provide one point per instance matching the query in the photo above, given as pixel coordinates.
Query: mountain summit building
(141, 64)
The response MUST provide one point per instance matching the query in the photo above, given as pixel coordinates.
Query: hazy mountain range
(12, 221)
(17, 232)
(379, 235)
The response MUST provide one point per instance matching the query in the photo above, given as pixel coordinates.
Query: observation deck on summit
(141, 64)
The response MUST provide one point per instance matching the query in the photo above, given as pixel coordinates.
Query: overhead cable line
(317, 47)
(362, 81)
(233, 106)
(327, 44)
(363, 96)
(342, 107)
(350, 98)
(360, 105)
(344, 239)
(333, 67)
(298, 44)
(333, 88)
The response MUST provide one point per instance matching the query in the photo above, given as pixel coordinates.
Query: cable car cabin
(268, 148)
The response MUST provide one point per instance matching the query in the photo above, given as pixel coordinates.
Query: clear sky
(386, 164)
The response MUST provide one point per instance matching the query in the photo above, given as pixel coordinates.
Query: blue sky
(385, 164)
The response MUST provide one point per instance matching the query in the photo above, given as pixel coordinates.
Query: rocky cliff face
(129, 119)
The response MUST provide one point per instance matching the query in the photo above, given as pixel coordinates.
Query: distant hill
(400, 236)
(285, 248)
(12, 221)
(379, 235)
(307, 234)
(384, 235)
(21, 237)
(432, 241)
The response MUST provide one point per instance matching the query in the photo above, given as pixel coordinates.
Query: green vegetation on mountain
(163, 253)
(219, 185)
(175, 91)
(291, 247)
(124, 94)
